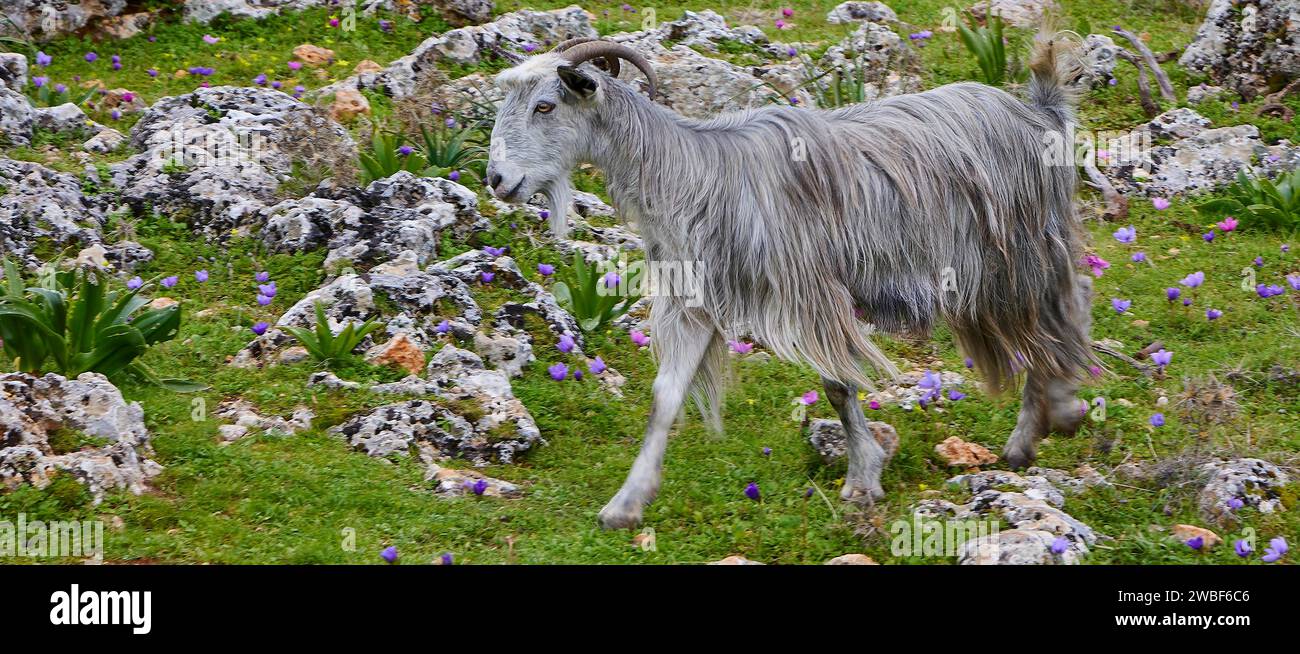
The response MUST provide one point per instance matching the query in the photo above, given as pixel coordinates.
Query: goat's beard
(559, 197)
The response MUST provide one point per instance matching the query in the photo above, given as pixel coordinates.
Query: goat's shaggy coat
(813, 226)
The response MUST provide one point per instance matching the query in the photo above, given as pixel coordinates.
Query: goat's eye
(543, 107)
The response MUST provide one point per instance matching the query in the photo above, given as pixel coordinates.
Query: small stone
(348, 104)
(957, 452)
(107, 140)
(313, 55)
(1187, 532)
(367, 66)
(294, 354)
(400, 352)
(736, 559)
(162, 303)
(852, 559)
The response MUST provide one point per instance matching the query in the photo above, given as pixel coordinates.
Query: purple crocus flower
(277, 84)
(612, 279)
(39, 81)
(1162, 357)
(558, 371)
(1160, 203)
(266, 289)
(1172, 293)
(1242, 548)
(1213, 314)
(1277, 548)
(386, 25)
(741, 347)
(1096, 263)
(259, 328)
(809, 398)
(405, 150)
(1259, 262)
(577, 375)
(210, 40)
(931, 383)
(262, 277)
(115, 114)
(487, 277)
(1138, 257)
(1236, 503)
(169, 282)
(1157, 420)
(1268, 291)
(1208, 236)
(152, 72)
(597, 365)
(200, 276)
(134, 283)
(1187, 302)
(1120, 306)
(295, 65)
(444, 327)
(454, 175)
(767, 451)
(91, 57)
(496, 252)
(1294, 281)
(1193, 280)
(43, 60)
(1228, 224)
(479, 487)
(1060, 545)
(1196, 543)
(260, 80)
(389, 554)
(873, 405)
(1126, 234)
(450, 122)
(60, 88)
(566, 344)
(640, 339)
(543, 214)
(790, 52)
(529, 47)
(956, 395)
(969, 363)
(545, 269)
(446, 558)
(751, 491)
(263, 300)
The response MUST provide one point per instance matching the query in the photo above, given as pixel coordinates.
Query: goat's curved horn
(611, 52)
(565, 45)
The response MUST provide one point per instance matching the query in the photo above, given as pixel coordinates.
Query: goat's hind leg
(866, 456)
(682, 347)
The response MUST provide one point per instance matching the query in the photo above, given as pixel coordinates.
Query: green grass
(293, 499)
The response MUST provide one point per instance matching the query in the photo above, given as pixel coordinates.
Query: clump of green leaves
(386, 158)
(70, 323)
(586, 294)
(324, 346)
(444, 149)
(1262, 202)
(987, 46)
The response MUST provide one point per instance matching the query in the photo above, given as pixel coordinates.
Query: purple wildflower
(809, 398)
(597, 365)
(1162, 357)
(259, 328)
(640, 339)
(1172, 293)
(268, 290)
(1157, 420)
(443, 327)
(751, 491)
(1160, 203)
(487, 277)
(263, 300)
(1213, 314)
(1138, 257)
(741, 347)
(200, 276)
(91, 57)
(1228, 224)
(1126, 234)
(262, 277)
(1276, 549)
(210, 40)
(1236, 503)
(43, 60)
(1060, 545)
(1242, 548)
(494, 251)
(169, 282)
(1196, 543)
(545, 269)
(389, 554)
(956, 395)
(134, 283)
(1193, 280)
(1120, 306)
(566, 343)
(558, 371)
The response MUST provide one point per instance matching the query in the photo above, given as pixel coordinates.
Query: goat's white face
(540, 127)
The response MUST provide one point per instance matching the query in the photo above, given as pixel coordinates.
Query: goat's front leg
(681, 348)
(866, 456)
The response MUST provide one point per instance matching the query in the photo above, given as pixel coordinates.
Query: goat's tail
(1055, 66)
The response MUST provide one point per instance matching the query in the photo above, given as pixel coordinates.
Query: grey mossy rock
(245, 420)
(1031, 513)
(1257, 483)
(497, 429)
(1249, 46)
(831, 442)
(41, 206)
(33, 409)
(1014, 13)
(44, 20)
(858, 12)
(1188, 156)
(13, 70)
(17, 117)
(232, 144)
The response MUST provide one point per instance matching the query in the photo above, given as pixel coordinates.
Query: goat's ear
(577, 82)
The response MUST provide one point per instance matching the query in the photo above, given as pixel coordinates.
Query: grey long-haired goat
(895, 214)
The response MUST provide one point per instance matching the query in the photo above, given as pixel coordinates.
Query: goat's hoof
(862, 492)
(1018, 458)
(619, 514)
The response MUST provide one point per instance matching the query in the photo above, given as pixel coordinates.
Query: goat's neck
(636, 142)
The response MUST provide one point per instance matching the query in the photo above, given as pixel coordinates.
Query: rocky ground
(481, 420)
